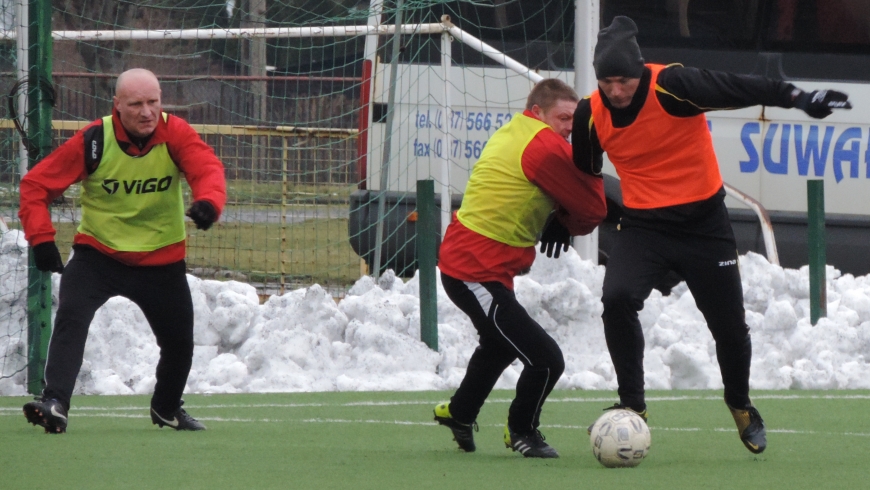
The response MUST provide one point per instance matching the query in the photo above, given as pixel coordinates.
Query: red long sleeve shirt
(65, 166)
(548, 163)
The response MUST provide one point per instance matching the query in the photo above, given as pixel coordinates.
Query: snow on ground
(305, 341)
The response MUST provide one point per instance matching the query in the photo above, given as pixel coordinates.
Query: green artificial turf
(383, 440)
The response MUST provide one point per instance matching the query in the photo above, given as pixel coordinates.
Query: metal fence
(289, 175)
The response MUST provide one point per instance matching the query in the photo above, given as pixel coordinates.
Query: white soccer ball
(620, 439)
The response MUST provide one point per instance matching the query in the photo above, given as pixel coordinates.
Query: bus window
(830, 26)
(711, 24)
(820, 25)
(791, 39)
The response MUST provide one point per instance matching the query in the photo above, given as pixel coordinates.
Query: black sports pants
(639, 259)
(88, 281)
(507, 332)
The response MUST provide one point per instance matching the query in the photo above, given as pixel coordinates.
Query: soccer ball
(620, 439)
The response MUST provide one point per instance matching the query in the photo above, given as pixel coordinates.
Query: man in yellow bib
(524, 171)
(130, 241)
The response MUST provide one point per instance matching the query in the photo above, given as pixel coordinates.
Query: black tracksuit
(695, 240)
(88, 281)
(507, 333)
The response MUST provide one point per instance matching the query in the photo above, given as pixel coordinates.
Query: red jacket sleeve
(202, 168)
(548, 162)
(45, 182)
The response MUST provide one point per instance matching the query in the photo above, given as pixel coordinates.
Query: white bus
(767, 153)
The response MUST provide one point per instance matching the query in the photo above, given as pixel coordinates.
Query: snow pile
(305, 341)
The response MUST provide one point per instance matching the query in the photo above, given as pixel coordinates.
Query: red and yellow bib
(499, 202)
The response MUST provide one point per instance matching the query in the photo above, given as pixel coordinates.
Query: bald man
(130, 241)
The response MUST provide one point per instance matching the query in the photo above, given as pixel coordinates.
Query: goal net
(316, 127)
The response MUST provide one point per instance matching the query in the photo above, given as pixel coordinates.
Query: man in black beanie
(649, 118)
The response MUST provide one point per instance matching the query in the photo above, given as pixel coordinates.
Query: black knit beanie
(617, 53)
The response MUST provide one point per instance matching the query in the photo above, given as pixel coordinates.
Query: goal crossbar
(294, 32)
(240, 33)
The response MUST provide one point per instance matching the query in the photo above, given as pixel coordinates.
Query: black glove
(555, 238)
(818, 103)
(46, 257)
(203, 214)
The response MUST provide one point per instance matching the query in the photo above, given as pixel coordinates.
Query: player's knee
(620, 298)
(554, 361)
(558, 366)
(733, 333)
(177, 348)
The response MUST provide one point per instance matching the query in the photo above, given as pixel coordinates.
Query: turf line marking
(714, 398)
(812, 397)
(374, 403)
(433, 424)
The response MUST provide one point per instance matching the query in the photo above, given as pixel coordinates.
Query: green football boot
(463, 434)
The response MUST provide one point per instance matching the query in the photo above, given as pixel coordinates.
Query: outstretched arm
(685, 91)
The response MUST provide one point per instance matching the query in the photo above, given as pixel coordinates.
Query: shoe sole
(186, 428)
(541, 456)
(34, 416)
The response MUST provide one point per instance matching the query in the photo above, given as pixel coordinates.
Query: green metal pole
(816, 242)
(39, 109)
(426, 251)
